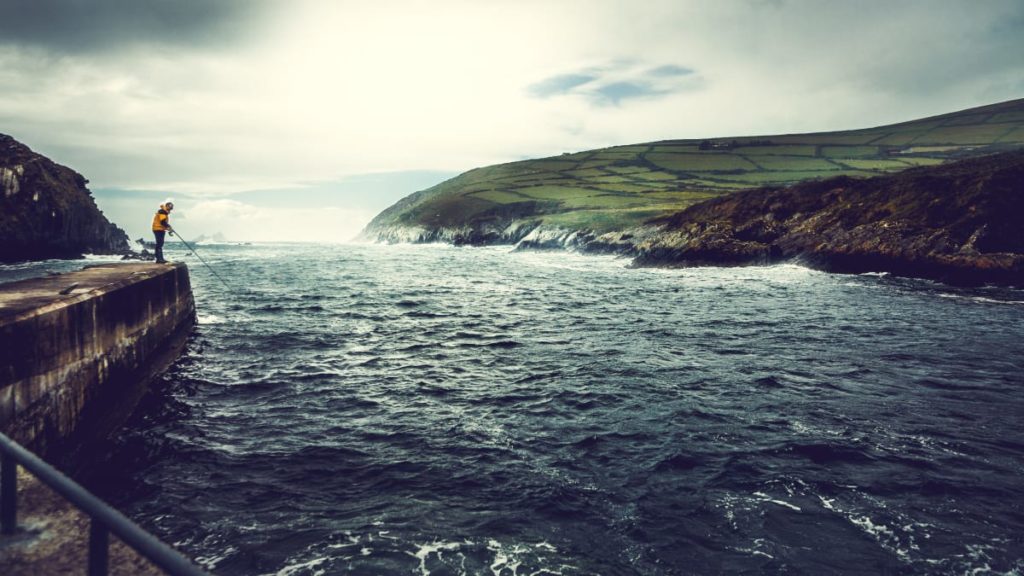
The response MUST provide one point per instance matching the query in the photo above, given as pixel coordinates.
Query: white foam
(766, 498)
(301, 566)
(210, 562)
(754, 551)
(993, 301)
(508, 558)
(209, 319)
(981, 299)
(877, 530)
(504, 558)
(352, 541)
(800, 427)
(101, 258)
(572, 261)
(425, 550)
(979, 553)
(901, 544)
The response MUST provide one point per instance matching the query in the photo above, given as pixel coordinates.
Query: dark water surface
(435, 410)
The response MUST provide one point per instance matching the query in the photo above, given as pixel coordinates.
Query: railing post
(8, 493)
(103, 518)
(98, 548)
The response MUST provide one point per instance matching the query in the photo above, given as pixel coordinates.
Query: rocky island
(46, 211)
(937, 198)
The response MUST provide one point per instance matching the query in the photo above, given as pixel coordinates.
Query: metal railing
(104, 519)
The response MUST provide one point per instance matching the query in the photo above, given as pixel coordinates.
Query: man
(162, 225)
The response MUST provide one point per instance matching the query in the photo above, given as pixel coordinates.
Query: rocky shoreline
(46, 210)
(957, 223)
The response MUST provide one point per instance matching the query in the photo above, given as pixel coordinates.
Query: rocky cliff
(46, 211)
(960, 222)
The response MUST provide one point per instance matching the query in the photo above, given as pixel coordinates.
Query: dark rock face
(958, 223)
(47, 212)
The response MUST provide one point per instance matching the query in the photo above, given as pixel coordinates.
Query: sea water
(441, 410)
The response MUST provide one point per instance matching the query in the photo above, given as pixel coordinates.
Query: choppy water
(434, 410)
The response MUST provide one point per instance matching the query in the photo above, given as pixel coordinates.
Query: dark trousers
(159, 244)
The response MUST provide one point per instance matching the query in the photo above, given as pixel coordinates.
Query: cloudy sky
(300, 119)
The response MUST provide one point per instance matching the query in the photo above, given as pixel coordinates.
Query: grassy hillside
(614, 188)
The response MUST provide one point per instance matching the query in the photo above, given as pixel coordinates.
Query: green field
(617, 187)
(698, 162)
(781, 150)
(793, 163)
(849, 151)
(921, 161)
(882, 165)
(1014, 136)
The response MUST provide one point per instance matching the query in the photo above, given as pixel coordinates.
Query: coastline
(956, 223)
(1001, 270)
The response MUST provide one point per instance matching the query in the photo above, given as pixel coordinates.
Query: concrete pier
(78, 350)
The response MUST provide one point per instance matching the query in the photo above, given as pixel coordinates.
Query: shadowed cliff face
(46, 211)
(959, 222)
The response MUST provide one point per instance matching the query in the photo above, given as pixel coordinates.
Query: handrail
(104, 519)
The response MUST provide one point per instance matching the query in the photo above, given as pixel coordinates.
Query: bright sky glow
(209, 102)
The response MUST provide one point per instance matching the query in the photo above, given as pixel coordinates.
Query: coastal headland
(46, 210)
(958, 223)
(936, 198)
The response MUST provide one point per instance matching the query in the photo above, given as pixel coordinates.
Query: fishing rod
(193, 250)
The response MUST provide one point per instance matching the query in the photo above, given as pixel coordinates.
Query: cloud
(670, 70)
(616, 92)
(246, 222)
(619, 80)
(208, 99)
(354, 200)
(558, 85)
(76, 26)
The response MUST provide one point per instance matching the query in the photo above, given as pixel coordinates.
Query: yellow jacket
(160, 222)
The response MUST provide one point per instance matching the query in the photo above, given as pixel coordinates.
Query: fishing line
(193, 250)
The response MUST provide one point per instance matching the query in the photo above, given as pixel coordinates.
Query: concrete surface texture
(77, 350)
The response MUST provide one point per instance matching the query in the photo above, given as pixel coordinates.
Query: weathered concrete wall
(73, 366)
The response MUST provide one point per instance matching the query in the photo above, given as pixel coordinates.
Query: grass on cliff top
(615, 188)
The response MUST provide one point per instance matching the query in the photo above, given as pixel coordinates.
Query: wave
(206, 319)
(409, 409)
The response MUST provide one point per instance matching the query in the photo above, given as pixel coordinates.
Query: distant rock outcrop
(46, 211)
(959, 222)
